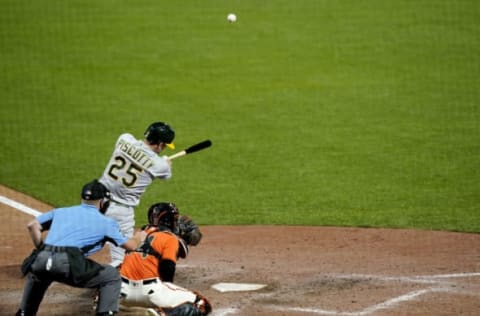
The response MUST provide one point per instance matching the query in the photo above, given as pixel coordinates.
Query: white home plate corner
(233, 287)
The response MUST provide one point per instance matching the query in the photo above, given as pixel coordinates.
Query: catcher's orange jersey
(139, 266)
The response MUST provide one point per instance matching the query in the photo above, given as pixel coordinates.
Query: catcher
(148, 272)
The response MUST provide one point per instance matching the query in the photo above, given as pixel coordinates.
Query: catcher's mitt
(188, 230)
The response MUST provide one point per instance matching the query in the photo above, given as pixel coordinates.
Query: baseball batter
(133, 166)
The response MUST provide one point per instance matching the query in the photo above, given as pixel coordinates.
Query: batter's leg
(125, 217)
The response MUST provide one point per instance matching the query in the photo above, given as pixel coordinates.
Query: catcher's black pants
(55, 264)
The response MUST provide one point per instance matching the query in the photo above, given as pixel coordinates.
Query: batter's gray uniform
(131, 169)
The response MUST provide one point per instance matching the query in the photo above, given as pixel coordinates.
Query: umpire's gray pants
(107, 281)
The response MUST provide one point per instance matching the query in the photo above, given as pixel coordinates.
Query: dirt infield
(306, 270)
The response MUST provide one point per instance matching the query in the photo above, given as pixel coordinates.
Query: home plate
(232, 287)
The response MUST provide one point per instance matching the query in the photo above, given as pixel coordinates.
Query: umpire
(74, 233)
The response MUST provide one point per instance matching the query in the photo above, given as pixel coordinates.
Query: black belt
(59, 248)
(144, 282)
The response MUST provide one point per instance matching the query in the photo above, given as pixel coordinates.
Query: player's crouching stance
(148, 272)
(63, 256)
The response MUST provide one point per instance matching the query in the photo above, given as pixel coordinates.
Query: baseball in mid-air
(231, 18)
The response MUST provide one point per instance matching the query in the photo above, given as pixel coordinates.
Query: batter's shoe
(109, 313)
(95, 296)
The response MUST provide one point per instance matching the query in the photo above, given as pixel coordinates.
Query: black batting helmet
(163, 214)
(160, 132)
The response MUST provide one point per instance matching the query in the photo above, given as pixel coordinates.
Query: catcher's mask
(160, 132)
(95, 190)
(163, 214)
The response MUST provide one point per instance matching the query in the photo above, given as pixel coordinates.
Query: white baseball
(231, 17)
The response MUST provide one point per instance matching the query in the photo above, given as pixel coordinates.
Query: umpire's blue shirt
(80, 226)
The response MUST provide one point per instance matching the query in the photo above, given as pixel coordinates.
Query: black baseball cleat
(95, 298)
(109, 313)
(203, 304)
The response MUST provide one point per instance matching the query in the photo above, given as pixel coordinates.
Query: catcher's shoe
(203, 304)
(154, 312)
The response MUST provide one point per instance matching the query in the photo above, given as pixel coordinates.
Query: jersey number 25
(125, 171)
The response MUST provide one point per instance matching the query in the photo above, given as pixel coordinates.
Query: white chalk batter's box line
(19, 206)
(440, 279)
(439, 282)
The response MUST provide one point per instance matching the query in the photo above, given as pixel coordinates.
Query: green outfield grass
(348, 113)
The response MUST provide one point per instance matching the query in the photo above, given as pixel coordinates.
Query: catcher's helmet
(160, 132)
(163, 214)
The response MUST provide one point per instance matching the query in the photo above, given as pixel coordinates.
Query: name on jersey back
(137, 154)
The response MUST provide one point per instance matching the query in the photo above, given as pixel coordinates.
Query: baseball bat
(190, 150)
